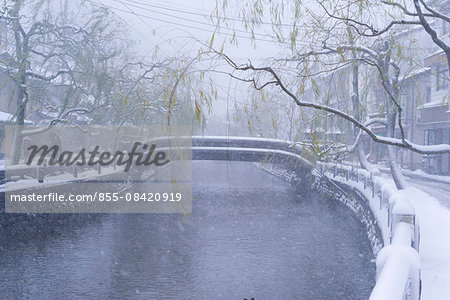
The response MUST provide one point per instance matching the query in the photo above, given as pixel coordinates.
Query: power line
(192, 27)
(140, 16)
(202, 15)
(186, 19)
(275, 40)
(224, 18)
(137, 31)
(134, 13)
(176, 5)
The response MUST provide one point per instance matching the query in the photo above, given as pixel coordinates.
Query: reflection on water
(251, 235)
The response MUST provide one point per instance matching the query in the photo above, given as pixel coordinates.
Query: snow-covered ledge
(431, 238)
(398, 267)
(398, 263)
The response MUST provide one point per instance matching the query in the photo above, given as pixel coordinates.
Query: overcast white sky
(157, 22)
(152, 22)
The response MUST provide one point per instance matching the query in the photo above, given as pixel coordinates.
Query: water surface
(251, 235)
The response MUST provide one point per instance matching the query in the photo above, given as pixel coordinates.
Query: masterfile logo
(85, 157)
(98, 169)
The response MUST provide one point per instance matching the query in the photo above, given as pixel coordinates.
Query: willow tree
(49, 49)
(322, 37)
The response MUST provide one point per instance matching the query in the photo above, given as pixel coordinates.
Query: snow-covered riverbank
(434, 221)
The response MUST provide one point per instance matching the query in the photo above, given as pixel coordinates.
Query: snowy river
(251, 235)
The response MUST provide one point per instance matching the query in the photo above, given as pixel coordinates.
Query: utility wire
(98, 4)
(223, 18)
(189, 20)
(204, 15)
(197, 28)
(253, 37)
(140, 18)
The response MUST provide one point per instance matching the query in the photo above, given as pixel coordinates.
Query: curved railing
(203, 148)
(398, 262)
(398, 273)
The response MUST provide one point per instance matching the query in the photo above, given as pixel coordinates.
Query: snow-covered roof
(9, 118)
(435, 53)
(438, 103)
(50, 114)
(4, 117)
(416, 73)
(83, 118)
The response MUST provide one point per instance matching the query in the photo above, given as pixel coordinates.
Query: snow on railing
(40, 172)
(398, 267)
(398, 263)
(209, 143)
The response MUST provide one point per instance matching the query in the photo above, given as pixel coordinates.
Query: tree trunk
(365, 164)
(20, 82)
(391, 90)
(356, 114)
(396, 173)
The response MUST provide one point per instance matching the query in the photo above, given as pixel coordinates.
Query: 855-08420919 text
(97, 196)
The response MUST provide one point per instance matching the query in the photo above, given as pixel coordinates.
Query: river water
(251, 235)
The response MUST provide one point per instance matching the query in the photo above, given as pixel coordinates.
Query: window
(379, 96)
(2, 40)
(441, 77)
(445, 27)
(433, 137)
(428, 100)
(404, 106)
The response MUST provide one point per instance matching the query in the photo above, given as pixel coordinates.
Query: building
(423, 95)
(424, 92)
(434, 115)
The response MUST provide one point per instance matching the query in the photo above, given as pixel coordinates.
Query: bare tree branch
(434, 13)
(403, 143)
(374, 32)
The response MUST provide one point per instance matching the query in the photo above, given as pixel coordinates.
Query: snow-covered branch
(373, 32)
(403, 143)
(439, 42)
(47, 78)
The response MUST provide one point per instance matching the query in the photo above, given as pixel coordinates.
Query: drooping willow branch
(402, 143)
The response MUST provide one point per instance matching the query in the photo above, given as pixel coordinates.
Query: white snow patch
(434, 220)
(8, 118)
(434, 244)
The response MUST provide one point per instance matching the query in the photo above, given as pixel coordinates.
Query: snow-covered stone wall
(398, 262)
